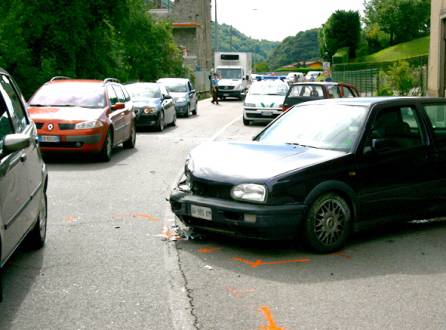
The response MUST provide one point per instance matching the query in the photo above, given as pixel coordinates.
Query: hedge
(415, 61)
(303, 70)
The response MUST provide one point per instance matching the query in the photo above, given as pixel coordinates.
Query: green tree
(85, 39)
(301, 47)
(342, 29)
(400, 20)
(261, 67)
(232, 40)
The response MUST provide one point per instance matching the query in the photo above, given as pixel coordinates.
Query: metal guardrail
(365, 80)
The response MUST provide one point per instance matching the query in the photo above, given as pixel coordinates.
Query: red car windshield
(69, 95)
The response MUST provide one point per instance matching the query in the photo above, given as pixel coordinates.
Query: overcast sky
(277, 19)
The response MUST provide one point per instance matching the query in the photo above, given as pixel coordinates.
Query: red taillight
(285, 107)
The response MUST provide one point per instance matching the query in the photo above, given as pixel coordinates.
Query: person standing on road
(214, 88)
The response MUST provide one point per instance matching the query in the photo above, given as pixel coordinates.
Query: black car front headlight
(185, 184)
(249, 192)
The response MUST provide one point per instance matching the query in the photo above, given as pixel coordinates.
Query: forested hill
(231, 39)
(303, 46)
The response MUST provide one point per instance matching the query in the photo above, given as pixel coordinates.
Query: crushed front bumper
(233, 218)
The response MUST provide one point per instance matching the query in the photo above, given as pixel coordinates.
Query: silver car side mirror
(16, 142)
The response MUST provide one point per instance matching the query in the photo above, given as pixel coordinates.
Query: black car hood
(254, 162)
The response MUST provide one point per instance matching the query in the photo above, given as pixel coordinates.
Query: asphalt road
(105, 266)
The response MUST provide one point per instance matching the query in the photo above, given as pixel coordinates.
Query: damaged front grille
(211, 189)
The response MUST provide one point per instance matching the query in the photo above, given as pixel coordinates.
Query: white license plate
(201, 212)
(225, 94)
(267, 113)
(49, 138)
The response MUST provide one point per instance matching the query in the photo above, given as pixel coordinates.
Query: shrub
(398, 80)
(417, 60)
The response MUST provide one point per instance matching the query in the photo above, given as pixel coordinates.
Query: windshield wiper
(62, 105)
(302, 145)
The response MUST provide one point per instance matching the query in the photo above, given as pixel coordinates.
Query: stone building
(191, 22)
(437, 50)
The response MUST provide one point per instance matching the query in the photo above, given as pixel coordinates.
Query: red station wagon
(86, 116)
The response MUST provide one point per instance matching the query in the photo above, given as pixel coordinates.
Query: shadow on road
(20, 273)
(412, 248)
(87, 162)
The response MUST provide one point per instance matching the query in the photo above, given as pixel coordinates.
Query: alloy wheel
(330, 221)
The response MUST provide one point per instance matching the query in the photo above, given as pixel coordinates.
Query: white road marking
(224, 128)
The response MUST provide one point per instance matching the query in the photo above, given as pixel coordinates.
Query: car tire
(328, 223)
(246, 122)
(37, 235)
(174, 121)
(161, 122)
(106, 152)
(195, 110)
(130, 143)
(186, 115)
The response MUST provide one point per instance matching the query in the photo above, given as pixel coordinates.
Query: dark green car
(23, 175)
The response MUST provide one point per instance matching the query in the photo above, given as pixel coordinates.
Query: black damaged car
(323, 169)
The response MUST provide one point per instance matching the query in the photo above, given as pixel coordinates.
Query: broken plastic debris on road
(175, 233)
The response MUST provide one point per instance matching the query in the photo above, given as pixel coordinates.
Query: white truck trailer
(234, 71)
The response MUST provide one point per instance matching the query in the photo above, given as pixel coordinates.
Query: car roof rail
(59, 78)
(107, 80)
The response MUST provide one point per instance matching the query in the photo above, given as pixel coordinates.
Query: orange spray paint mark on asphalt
(269, 318)
(142, 216)
(145, 216)
(71, 219)
(238, 293)
(343, 255)
(257, 263)
(209, 250)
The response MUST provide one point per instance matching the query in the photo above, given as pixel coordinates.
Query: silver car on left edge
(23, 175)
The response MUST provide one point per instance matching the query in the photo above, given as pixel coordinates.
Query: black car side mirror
(167, 97)
(382, 145)
(192, 91)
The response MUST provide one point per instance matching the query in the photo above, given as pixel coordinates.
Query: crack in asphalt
(177, 276)
(189, 291)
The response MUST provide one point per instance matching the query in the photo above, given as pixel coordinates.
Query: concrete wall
(191, 21)
(198, 11)
(437, 53)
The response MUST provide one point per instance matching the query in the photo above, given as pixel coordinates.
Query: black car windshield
(86, 95)
(175, 86)
(268, 88)
(328, 126)
(144, 92)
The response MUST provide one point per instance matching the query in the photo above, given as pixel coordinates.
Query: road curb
(180, 299)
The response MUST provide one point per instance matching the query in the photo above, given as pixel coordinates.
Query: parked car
(322, 169)
(153, 105)
(310, 91)
(264, 101)
(23, 175)
(184, 94)
(88, 116)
